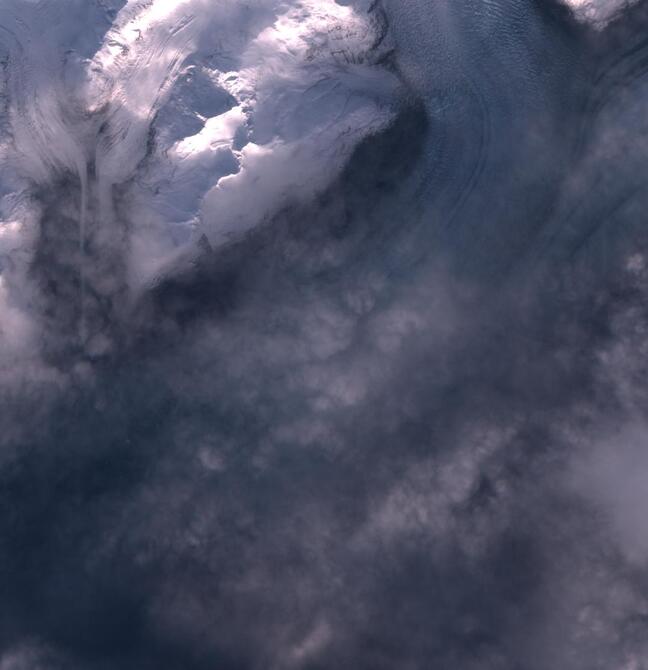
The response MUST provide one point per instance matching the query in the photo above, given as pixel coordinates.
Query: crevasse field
(323, 335)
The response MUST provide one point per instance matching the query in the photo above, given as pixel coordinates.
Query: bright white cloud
(597, 11)
(269, 100)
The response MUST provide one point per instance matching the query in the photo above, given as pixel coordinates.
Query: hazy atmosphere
(323, 335)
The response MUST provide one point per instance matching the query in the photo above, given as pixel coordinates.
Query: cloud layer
(322, 336)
